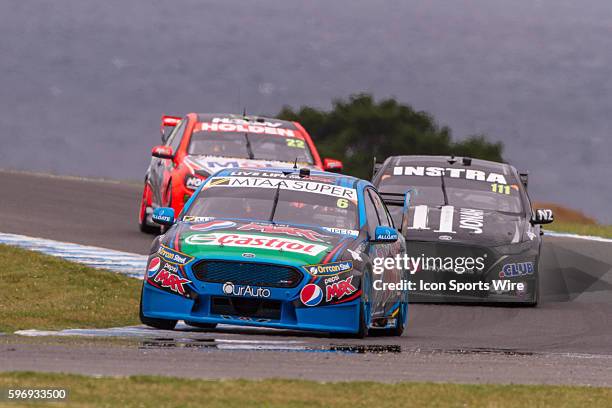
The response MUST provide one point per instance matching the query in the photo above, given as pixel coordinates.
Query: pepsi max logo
(311, 295)
(153, 266)
(213, 225)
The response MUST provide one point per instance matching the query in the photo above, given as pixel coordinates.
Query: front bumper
(281, 312)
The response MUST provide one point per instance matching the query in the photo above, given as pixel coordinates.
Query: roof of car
(208, 117)
(423, 160)
(333, 178)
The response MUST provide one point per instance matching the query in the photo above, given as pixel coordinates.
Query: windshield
(460, 192)
(299, 201)
(250, 146)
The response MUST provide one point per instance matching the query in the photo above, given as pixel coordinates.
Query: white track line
(132, 265)
(577, 236)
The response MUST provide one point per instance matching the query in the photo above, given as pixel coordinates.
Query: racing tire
(161, 324)
(537, 293)
(142, 215)
(201, 325)
(362, 332)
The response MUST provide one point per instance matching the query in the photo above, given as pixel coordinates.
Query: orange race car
(200, 144)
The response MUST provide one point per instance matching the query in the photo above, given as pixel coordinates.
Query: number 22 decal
(296, 143)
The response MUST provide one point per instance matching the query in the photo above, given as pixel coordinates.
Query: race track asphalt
(567, 339)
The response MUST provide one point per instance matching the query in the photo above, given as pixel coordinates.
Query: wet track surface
(567, 339)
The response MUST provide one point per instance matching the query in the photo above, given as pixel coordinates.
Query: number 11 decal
(421, 218)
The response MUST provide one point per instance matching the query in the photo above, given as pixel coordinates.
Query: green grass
(149, 391)
(581, 229)
(45, 292)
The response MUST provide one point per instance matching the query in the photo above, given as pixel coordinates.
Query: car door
(375, 250)
(162, 168)
(388, 250)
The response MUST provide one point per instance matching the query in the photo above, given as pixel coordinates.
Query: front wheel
(363, 325)
(162, 324)
(364, 308)
(201, 325)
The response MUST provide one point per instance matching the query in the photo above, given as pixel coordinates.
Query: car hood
(256, 241)
(212, 164)
(466, 226)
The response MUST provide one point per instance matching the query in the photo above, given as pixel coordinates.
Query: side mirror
(406, 208)
(332, 165)
(163, 216)
(385, 234)
(542, 216)
(167, 124)
(162, 152)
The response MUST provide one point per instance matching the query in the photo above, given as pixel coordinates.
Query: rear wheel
(147, 195)
(201, 325)
(162, 324)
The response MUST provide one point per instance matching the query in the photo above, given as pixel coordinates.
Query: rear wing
(167, 124)
(375, 167)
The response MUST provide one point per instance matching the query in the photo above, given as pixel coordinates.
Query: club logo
(517, 269)
(153, 266)
(338, 290)
(213, 225)
(311, 295)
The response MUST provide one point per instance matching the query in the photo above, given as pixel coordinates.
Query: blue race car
(280, 248)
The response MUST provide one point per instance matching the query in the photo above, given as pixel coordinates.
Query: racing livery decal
(336, 289)
(283, 229)
(311, 295)
(468, 174)
(256, 241)
(329, 269)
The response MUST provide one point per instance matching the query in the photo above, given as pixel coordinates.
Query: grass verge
(45, 292)
(574, 221)
(597, 230)
(146, 391)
